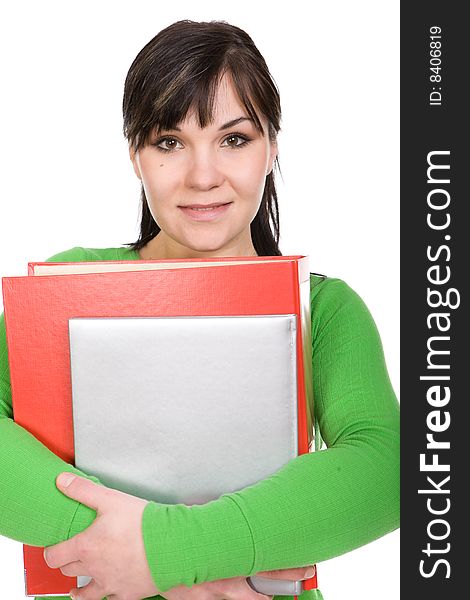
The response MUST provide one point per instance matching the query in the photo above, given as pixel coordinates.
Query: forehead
(227, 106)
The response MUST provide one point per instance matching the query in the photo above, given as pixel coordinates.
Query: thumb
(81, 489)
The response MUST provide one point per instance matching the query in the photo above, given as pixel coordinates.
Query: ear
(133, 155)
(272, 156)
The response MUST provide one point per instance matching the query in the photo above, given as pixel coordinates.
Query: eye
(236, 140)
(167, 144)
(170, 144)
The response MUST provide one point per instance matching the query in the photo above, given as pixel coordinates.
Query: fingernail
(45, 556)
(310, 572)
(65, 479)
(74, 597)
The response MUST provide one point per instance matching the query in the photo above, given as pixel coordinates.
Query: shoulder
(330, 292)
(81, 254)
(336, 307)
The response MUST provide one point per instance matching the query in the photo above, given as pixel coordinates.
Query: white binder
(183, 409)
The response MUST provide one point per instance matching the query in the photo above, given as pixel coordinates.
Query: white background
(66, 179)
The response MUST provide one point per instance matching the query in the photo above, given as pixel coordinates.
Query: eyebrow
(227, 125)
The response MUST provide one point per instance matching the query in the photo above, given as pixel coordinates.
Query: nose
(204, 172)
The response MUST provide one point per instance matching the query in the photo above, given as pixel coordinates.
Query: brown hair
(180, 68)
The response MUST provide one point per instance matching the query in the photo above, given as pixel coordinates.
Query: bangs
(188, 94)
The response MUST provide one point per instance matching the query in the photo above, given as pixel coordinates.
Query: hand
(235, 588)
(111, 550)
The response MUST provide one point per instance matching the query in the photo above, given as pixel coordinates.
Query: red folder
(37, 310)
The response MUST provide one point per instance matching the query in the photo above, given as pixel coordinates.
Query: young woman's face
(223, 164)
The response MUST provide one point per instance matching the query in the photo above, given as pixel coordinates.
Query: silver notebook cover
(183, 409)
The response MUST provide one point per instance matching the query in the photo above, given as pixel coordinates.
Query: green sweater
(318, 506)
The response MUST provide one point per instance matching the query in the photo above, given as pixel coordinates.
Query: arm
(319, 505)
(33, 510)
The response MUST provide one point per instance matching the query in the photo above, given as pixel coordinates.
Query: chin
(206, 249)
(206, 246)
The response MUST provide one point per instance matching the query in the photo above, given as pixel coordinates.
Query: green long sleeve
(317, 506)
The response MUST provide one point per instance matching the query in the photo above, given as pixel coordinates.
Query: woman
(201, 114)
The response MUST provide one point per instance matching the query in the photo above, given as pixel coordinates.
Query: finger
(85, 491)
(74, 569)
(91, 591)
(289, 574)
(62, 554)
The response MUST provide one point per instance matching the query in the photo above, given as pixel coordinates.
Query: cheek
(159, 181)
(250, 177)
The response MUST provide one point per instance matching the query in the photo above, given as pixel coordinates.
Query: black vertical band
(435, 258)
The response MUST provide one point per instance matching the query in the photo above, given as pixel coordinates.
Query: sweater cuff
(82, 518)
(186, 545)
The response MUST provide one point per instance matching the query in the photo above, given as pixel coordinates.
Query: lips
(206, 212)
(213, 205)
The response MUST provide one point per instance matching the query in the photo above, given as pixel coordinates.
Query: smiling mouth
(208, 212)
(205, 206)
